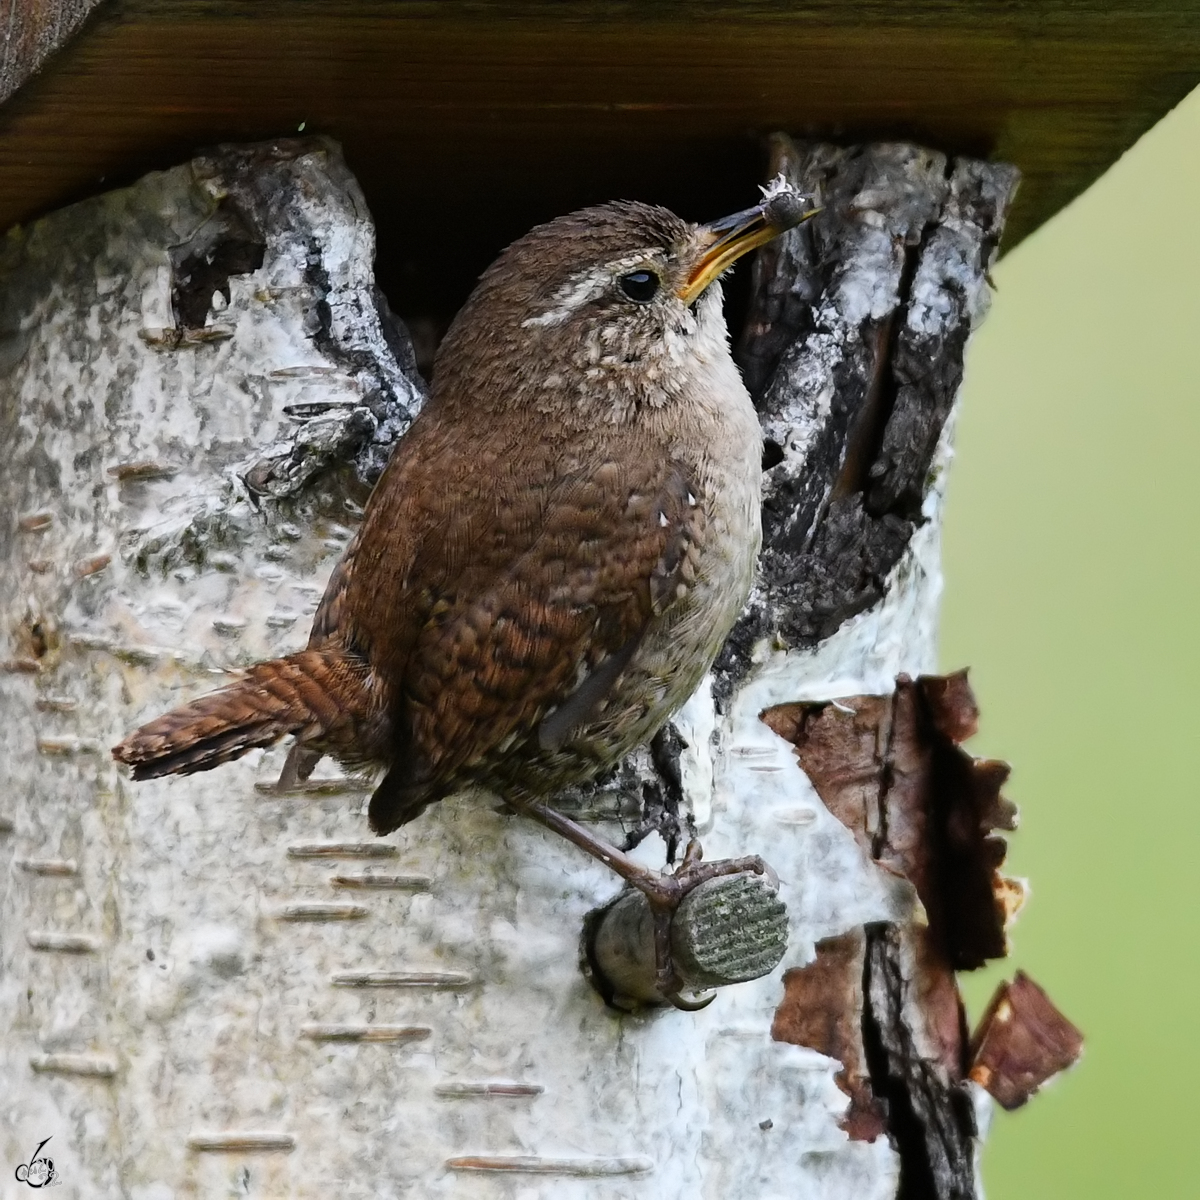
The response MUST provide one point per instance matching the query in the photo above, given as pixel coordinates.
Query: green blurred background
(1072, 588)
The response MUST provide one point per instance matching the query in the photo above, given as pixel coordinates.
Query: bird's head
(606, 309)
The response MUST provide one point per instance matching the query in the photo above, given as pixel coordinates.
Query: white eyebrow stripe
(573, 294)
(579, 289)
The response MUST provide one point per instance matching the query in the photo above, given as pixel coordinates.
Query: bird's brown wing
(528, 647)
(330, 617)
(368, 610)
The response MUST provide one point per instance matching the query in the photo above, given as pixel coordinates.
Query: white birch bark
(207, 989)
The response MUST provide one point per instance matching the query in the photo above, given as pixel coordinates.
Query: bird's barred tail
(315, 694)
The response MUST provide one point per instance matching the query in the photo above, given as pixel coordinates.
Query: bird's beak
(724, 241)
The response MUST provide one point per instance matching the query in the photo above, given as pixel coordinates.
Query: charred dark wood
(853, 351)
(930, 1118)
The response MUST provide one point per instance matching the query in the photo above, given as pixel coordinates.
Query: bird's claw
(695, 1005)
(666, 892)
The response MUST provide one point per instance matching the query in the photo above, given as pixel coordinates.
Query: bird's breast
(729, 474)
(722, 450)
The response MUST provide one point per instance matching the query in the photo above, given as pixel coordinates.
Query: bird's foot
(663, 892)
(298, 766)
(666, 892)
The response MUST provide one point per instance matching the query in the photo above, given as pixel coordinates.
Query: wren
(554, 554)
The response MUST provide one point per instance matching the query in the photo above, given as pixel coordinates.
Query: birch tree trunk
(209, 988)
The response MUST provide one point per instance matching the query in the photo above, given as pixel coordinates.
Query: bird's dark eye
(640, 285)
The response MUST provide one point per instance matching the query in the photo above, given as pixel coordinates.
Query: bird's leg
(664, 892)
(298, 766)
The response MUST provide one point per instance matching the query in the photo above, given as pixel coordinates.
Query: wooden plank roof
(466, 121)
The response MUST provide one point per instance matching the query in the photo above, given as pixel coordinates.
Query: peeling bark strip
(822, 1008)
(1021, 1042)
(891, 770)
(853, 351)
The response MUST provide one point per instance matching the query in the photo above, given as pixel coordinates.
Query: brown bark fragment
(953, 710)
(884, 1000)
(822, 1009)
(841, 748)
(891, 770)
(1021, 1042)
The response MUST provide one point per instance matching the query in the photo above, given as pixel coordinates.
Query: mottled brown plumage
(558, 546)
